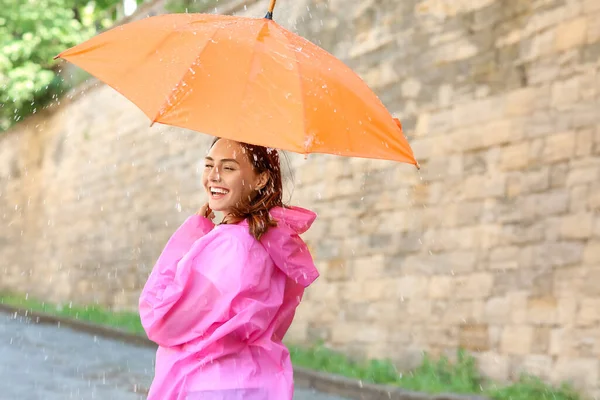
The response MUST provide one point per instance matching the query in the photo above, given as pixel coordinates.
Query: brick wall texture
(493, 246)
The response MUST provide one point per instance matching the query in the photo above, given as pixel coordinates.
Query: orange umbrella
(245, 79)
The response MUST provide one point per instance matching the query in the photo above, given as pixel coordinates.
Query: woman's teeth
(218, 191)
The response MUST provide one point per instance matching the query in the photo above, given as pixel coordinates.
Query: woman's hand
(206, 212)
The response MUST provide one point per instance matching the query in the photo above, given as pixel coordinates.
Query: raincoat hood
(287, 250)
(298, 219)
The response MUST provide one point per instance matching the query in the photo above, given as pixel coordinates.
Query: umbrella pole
(271, 8)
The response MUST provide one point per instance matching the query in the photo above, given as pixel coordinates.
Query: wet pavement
(45, 362)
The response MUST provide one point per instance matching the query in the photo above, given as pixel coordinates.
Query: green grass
(432, 376)
(128, 321)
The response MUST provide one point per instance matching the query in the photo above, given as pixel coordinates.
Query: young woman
(221, 298)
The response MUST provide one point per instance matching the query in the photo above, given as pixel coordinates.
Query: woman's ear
(262, 180)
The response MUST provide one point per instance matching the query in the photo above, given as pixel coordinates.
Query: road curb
(305, 378)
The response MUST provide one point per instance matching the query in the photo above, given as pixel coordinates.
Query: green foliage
(435, 376)
(32, 32)
(530, 387)
(190, 6)
(432, 376)
(128, 321)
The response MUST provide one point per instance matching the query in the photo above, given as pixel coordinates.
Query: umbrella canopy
(245, 79)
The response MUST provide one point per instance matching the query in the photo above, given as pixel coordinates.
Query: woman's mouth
(218, 193)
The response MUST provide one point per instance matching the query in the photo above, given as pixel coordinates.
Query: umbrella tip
(271, 8)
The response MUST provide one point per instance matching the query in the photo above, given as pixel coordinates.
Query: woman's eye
(228, 168)
(208, 166)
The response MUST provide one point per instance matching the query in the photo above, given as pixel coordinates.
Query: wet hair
(256, 209)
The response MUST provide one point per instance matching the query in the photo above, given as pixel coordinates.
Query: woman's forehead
(227, 149)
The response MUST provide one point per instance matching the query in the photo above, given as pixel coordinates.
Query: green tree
(32, 32)
(190, 6)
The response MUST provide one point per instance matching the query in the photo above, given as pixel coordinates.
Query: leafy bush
(32, 32)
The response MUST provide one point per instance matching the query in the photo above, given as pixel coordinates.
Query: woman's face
(229, 177)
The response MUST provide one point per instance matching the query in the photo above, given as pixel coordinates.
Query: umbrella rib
(165, 106)
(247, 85)
(301, 85)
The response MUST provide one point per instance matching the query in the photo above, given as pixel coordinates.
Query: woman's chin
(215, 206)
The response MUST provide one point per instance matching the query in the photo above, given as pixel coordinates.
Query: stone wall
(494, 246)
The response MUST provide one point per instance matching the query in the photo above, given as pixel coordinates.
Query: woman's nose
(214, 175)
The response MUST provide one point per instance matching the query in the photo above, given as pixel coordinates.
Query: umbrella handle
(271, 8)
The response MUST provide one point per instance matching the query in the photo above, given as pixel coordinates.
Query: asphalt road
(44, 362)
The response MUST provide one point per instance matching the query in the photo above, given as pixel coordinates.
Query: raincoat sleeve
(176, 248)
(189, 301)
(182, 240)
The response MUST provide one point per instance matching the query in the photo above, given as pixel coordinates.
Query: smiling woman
(243, 182)
(220, 299)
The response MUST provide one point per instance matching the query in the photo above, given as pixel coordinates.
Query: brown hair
(256, 210)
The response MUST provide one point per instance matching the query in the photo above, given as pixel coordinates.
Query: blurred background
(492, 247)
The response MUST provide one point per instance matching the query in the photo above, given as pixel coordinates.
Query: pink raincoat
(218, 304)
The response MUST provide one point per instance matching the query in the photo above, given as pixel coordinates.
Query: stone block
(588, 312)
(567, 310)
(521, 102)
(590, 6)
(298, 332)
(548, 203)
(591, 253)
(481, 111)
(560, 146)
(474, 337)
(473, 286)
(411, 287)
(566, 92)
(337, 269)
(571, 34)
(542, 310)
(444, 240)
(593, 27)
(482, 186)
(515, 157)
(558, 174)
(345, 332)
(441, 287)
(538, 45)
(377, 289)
(541, 340)
(372, 267)
(458, 312)
(594, 198)
(464, 212)
(516, 339)
(508, 253)
(577, 226)
(537, 365)
(497, 310)
(580, 372)
(579, 176)
(494, 365)
(385, 312)
(579, 199)
(558, 254)
(418, 310)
